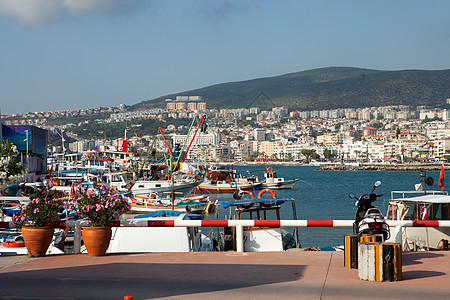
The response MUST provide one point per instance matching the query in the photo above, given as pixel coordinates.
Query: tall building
(259, 134)
(181, 105)
(201, 105)
(192, 106)
(171, 105)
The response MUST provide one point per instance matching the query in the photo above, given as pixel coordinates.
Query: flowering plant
(99, 205)
(42, 209)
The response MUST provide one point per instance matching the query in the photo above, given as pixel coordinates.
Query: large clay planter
(96, 239)
(37, 240)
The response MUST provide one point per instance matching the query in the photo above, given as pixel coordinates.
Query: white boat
(410, 206)
(148, 187)
(117, 180)
(158, 239)
(272, 181)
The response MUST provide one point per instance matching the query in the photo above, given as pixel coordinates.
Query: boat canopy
(253, 201)
(424, 199)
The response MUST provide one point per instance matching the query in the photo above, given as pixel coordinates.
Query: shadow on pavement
(142, 280)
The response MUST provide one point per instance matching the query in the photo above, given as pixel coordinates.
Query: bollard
(366, 261)
(388, 262)
(351, 251)
(371, 238)
(379, 261)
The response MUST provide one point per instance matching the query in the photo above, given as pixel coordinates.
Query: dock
(217, 275)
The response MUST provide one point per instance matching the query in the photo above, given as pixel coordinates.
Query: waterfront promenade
(217, 275)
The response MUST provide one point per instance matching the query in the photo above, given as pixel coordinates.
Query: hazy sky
(70, 54)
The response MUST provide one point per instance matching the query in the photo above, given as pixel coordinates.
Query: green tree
(327, 153)
(309, 154)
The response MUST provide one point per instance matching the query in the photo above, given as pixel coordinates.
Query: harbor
(218, 275)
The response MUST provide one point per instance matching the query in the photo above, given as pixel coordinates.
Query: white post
(398, 235)
(240, 238)
(77, 238)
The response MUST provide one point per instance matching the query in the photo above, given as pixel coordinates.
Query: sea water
(323, 195)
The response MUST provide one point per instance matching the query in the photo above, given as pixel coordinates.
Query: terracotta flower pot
(96, 239)
(37, 240)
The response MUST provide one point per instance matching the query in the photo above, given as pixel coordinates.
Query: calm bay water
(323, 195)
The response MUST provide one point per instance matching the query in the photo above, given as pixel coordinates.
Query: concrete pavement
(217, 275)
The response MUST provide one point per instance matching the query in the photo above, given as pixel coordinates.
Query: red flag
(72, 190)
(424, 213)
(441, 178)
(136, 135)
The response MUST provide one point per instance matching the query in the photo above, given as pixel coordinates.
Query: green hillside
(326, 88)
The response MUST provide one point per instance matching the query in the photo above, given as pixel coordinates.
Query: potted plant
(35, 219)
(100, 206)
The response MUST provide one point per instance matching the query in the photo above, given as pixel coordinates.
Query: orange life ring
(267, 190)
(13, 244)
(270, 169)
(250, 193)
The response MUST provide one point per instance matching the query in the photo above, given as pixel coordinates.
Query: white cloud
(44, 11)
(110, 7)
(31, 11)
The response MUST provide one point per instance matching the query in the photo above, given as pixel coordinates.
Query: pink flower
(36, 210)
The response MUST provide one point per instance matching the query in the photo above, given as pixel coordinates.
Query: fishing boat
(272, 181)
(258, 239)
(220, 186)
(417, 206)
(148, 187)
(192, 204)
(218, 172)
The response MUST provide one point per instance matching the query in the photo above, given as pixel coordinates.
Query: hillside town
(390, 134)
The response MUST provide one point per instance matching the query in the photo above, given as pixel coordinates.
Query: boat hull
(289, 184)
(222, 188)
(144, 188)
(422, 237)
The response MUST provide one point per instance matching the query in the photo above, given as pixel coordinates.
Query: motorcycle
(368, 218)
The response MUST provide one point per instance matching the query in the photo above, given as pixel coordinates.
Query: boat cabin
(258, 239)
(421, 208)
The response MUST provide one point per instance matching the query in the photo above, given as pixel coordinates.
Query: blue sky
(71, 54)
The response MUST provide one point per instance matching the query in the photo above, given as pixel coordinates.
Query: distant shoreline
(341, 167)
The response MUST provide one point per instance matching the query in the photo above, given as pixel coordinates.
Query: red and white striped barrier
(239, 224)
(247, 223)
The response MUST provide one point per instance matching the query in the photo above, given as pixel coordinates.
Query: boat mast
(62, 140)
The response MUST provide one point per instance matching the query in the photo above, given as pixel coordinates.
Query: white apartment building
(259, 134)
(327, 139)
(201, 139)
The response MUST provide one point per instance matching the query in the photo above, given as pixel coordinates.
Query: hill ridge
(326, 88)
